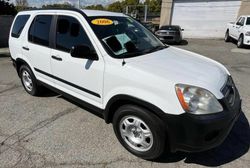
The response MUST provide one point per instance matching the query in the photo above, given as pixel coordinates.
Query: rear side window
(69, 33)
(19, 24)
(40, 30)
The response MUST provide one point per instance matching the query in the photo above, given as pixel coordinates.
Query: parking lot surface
(50, 131)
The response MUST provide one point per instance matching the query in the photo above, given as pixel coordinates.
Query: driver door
(235, 28)
(79, 77)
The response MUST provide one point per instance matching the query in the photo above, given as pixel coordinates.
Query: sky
(39, 3)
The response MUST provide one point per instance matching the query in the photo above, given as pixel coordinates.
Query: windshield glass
(170, 28)
(124, 37)
(248, 21)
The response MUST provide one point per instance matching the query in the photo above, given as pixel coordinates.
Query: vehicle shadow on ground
(183, 42)
(244, 47)
(235, 146)
(4, 55)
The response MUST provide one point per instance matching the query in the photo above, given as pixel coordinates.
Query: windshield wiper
(157, 48)
(138, 53)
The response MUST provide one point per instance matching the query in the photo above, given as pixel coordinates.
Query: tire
(227, 36)
(240, 41)
(29, 81)
(134, 126)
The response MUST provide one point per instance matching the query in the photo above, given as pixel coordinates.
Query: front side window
(123, 37)
(19, 24)
(242, 21)
(248, 21)
(70, 33)
(40, 30)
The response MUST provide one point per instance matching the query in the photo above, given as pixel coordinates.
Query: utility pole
(79, 5)
(145, 13)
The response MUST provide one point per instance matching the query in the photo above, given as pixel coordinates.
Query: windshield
(170, 28)
(124, 37)
(248, 21)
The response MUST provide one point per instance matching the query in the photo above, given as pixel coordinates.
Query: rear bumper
(170, 39)
(195, 133)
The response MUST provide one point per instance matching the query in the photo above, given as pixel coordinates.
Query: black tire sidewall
(153, 122)
(34, 88)
(227, 37)
(241, 39)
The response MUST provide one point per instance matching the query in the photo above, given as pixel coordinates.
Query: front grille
(229, 91)
(169, 37)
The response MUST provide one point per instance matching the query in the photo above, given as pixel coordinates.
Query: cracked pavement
(50, 131)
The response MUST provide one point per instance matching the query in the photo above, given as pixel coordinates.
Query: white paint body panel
(204, 19)
(236, 30)
(151, 77)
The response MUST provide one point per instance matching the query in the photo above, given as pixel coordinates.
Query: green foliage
(95, 7)
(21, 5)
(6, 8)
(153, 5)
(119, 6)
(116, 7)
(64, 5)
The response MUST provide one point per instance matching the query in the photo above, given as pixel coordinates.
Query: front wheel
(240, 43)
(227, 36)
(139, 131)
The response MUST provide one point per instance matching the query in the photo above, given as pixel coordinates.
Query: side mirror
(238, 23)
(182, 29)
(83, 51)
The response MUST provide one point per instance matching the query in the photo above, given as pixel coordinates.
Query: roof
(85, 12)
(101, 13)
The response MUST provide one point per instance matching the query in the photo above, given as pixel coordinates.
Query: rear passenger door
(80, 77)
(37, 46)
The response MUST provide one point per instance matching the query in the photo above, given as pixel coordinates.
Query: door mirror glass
(83, 51)
(238, 23)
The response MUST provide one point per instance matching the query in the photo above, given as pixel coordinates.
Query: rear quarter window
(19, 24)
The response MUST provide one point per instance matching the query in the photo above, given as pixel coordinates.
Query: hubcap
(27, 80)
(136, 133)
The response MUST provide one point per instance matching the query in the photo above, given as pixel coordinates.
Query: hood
(181, 66)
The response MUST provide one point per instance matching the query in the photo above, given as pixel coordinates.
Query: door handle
(26, 48)
(56, 58)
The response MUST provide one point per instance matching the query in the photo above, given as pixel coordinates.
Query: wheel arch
(117, 101)
(19, 62)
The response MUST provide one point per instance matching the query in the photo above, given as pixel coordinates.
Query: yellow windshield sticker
(102, 22)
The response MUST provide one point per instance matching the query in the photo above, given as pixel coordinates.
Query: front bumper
(246, 40)
(195, 133)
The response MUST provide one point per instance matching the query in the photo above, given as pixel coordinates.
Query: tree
(95, 7)
(115, 7)
(21, 5)
(6, 8)
(153, 5)
(64, 5)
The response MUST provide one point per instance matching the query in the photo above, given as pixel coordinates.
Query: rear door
(79, 77)
(37, 46)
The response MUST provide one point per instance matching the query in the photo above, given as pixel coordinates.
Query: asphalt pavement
(50, 131)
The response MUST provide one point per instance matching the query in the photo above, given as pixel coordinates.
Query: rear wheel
(240, 41)
(227, 36)
(139, 131)
(29, 81)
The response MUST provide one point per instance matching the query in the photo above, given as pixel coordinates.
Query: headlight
(196, 100)
(247, 33)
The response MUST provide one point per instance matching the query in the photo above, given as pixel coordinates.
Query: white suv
(159, 98)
